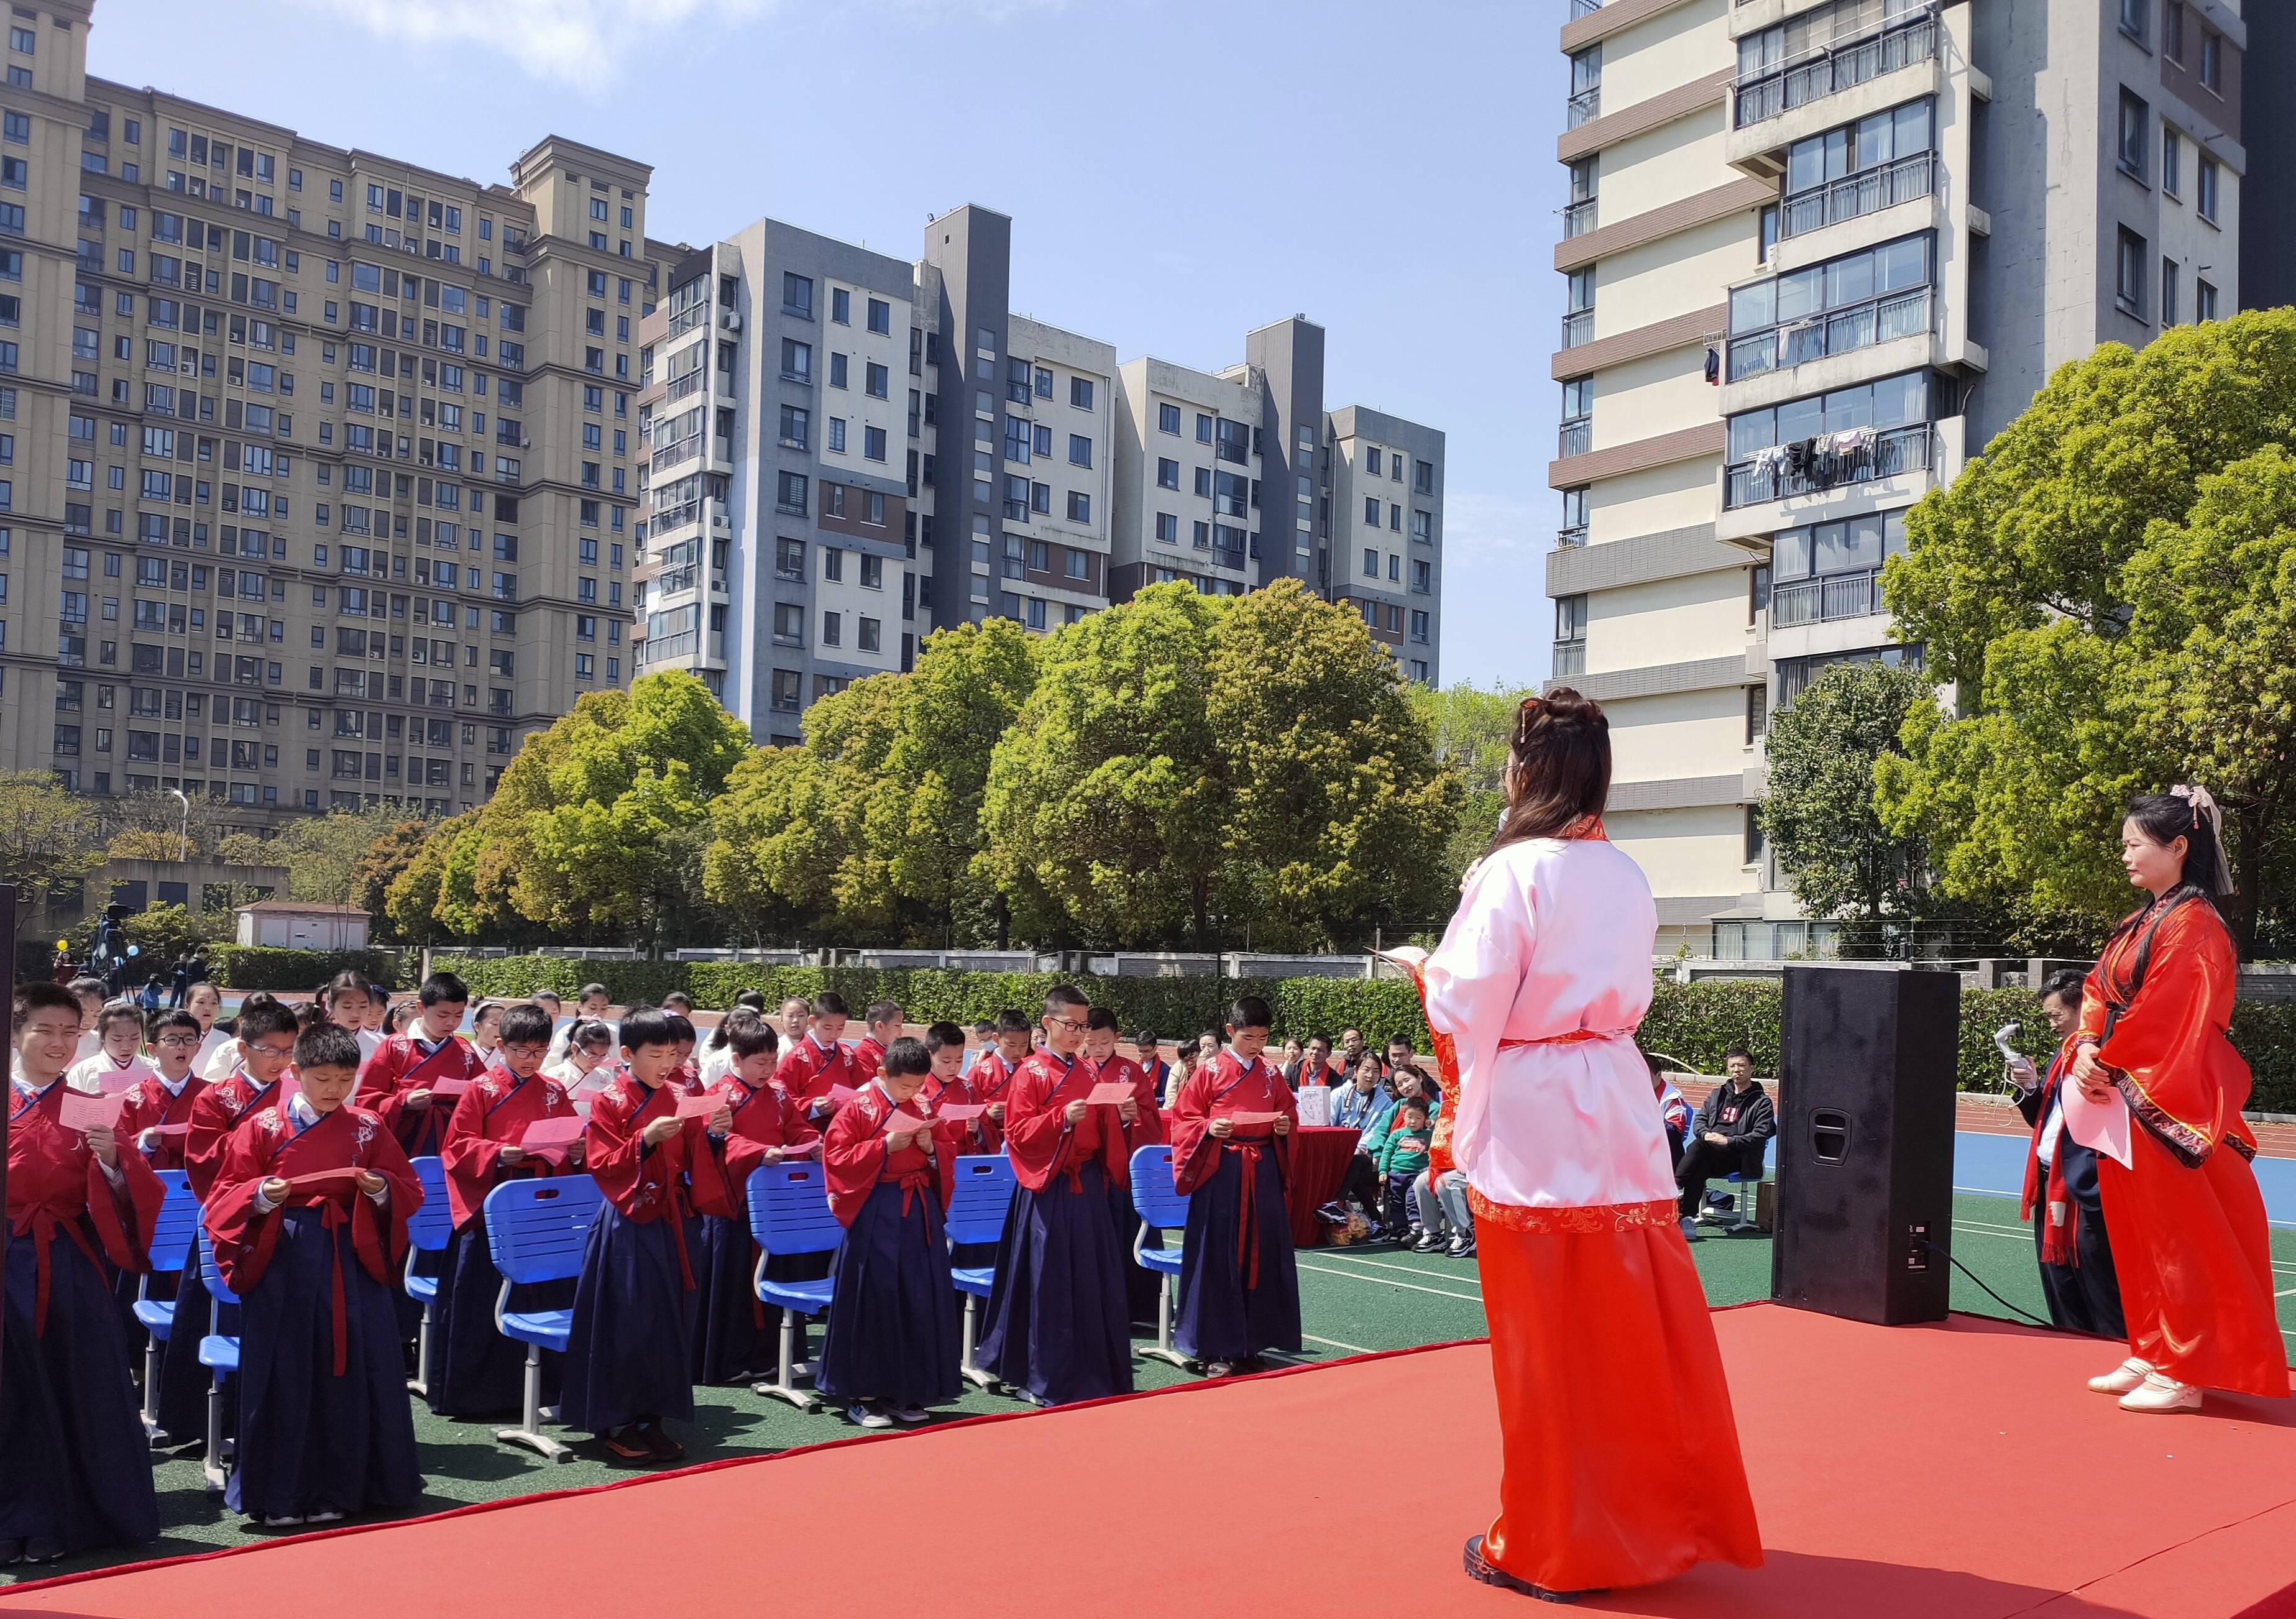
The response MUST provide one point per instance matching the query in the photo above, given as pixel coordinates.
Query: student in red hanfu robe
(308, 1218)
(812, 1067)
(1136, 1127)
(396, 1084)
(737, 1335)
(75, 1466)
(1057, 1319)
(992, 1076)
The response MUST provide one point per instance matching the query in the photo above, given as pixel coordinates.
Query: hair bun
(1561, 705)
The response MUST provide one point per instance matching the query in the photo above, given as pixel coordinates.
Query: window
(1571, 634)
(2172, 32)
(1080, 393)
(877, 381)
(2206, 202)
(1168, 473)
(1873, 296)
(1168, 528)
(2172, 161)
(2135, 14)
(2135, 134)
(2169, 270)
(796, 427)
(2205, 301)
(1079, 450)
(1370, 563)
(1079, 507)
(872, 442)
(881, 317)
(791, 495)
(1371, 509)
(837, 435)
(2212, 59)
(840, 307)
(2128, 274)
(833, 629)
(797, 360)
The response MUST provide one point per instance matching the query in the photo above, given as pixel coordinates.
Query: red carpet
(1960, 1471)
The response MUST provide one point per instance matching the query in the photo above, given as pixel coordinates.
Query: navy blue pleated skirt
(1220, 1318)
(1057, 1321)
(894, 1330)
(629, 1355)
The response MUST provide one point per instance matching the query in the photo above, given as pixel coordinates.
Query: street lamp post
(183, 838)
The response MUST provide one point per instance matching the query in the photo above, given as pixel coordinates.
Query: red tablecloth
(1319, 1163)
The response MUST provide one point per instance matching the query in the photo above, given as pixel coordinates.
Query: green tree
(765, 860)
(414, 902)
(1818, 811)
(50, 840)
(1334, 811)
(1102, 812)
(392, 851)
(1472, 727)
(2109, 588)
(144, 843)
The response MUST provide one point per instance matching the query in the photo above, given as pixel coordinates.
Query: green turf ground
(1352, 1301)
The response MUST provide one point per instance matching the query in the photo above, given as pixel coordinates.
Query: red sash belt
(334, 1212)
(1570, 1037)
(914, 1180)
(1247, 1227)
(41, 1224)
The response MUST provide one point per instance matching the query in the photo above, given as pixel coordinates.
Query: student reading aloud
(266, 1056)
(1057, 1325)
(474, 1369)
(309, 1217)
(75, 1466)
(815, 1064)
(948, 1085)
(868, 1055)
(119, 1063)
(992, 1076)
(1232, 1158)
(738, 1335)
(1136, 1127)
(630, 1354)
(1621, 1462)
(893, 1345)
(397, 1081)
(158, 1117)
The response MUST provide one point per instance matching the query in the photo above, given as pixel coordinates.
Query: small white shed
(287, 924)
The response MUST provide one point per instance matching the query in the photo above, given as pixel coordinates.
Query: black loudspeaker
(1866, 1115)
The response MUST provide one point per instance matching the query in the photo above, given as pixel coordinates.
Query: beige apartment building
(1815, 255)
(317, 469)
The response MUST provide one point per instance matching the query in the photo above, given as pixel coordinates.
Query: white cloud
(585, 44)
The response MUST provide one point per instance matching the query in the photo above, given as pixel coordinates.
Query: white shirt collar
(299, 1109)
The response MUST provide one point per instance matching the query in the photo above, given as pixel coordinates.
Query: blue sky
(1395, 180)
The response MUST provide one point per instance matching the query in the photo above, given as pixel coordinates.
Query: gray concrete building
(1815, 255)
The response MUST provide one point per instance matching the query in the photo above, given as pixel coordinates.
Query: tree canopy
(1818, 811)
(2111, 590)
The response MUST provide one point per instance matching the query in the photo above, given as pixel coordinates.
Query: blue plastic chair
(1159, 1206)
(537, 1231)
(976, 1214)
(789, 1214)
(429, 1230)
(1746, 1183)
(219, 1353)
(171, 1246)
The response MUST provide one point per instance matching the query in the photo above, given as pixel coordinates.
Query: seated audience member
(1728, 1136)
(1288, 1065)
(1444, 1202)
(1363, 1106)
(1400, 1054)
(1183, 1064)
(1350, 1051)
(1400, 1159)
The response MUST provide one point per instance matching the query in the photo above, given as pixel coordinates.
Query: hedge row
(269, 967)
(1692, 1023)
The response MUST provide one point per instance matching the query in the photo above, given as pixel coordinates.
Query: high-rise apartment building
(1816, 256)
(318, 468)
(847, 451)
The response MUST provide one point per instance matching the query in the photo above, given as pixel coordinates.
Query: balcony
(1573, 538)
(685, 387)
(1584, 108)
(1578, 219)
(1770, 477)
(1577, 327)
(1775, 91)
(1856, 595)
(1575, 437)
(1570, 657)
(1583, 8)
(1854, 196)
(1880, 320)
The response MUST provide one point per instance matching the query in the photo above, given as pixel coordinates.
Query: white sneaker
(1690, 1231)
(326, 1518)
(2122, 1378)
(2162, 1395)
(866, 1416)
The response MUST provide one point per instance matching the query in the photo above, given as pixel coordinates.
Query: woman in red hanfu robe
(308, 1218)
(1621, 1456)
(476, 1370)
(2190, 1244)
(75, 1466)
(737, 1335)
(893, 1344)
(1239, 1282)
(629, 1351)
(1058, 1328)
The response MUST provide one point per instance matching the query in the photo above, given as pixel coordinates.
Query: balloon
(63, 945)
(136, 950)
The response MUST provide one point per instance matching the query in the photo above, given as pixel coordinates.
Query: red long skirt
(2195, 1259)
(1622, 1464)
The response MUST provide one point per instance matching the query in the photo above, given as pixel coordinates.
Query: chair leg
(1163, 1350)
(154, 1347)
(211, 1464)
(420, 1383)
(532, 1435)
(1741, 1218)
(784, 1387)
(978, 1376)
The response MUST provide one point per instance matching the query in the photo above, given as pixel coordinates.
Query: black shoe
(1220, 1368)
(1480, 1567)
(627, 1443)
(659, 1445)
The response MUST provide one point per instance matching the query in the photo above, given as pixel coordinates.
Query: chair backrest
(208, 1274)
(430, 1227)
(536, 1230)
(1152, 1193)
(178, 1224)
(984, 1191)
(788, 1209)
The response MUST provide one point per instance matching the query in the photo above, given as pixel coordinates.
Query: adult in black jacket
(1730, 1133)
